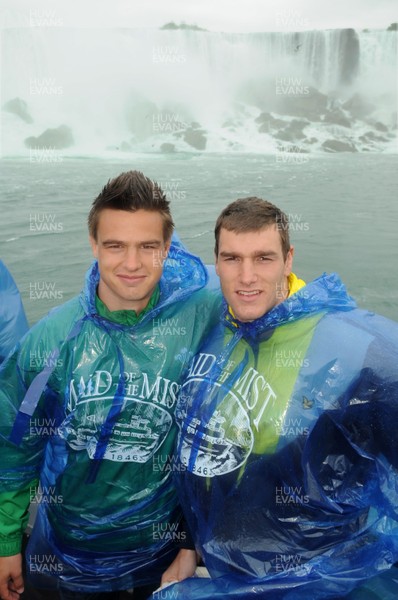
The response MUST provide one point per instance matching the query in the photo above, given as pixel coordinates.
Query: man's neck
(126, 316)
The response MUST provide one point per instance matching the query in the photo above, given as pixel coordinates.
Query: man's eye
(149, 246)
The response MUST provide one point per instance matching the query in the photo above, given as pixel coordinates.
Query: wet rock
(195, 137)
(311, 105)
(293, 132)
(349, 53)
(268, 122)
(167, 148)
(381, 127)
(173, 26)
(229, 124)
(338, 146)
(358, 106)
(18, 107)
(337, 117)
(370, 135)
(58, 138)
(125, 147)
(292, 149)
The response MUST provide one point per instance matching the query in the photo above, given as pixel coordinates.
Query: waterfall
(160, 90)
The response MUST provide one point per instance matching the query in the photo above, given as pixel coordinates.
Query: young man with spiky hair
(288, 430)
(87, 406)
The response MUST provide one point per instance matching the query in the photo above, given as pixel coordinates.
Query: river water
(343, 211)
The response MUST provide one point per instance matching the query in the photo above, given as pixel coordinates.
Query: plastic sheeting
(13, 323)
(88, 405)
(288, 452)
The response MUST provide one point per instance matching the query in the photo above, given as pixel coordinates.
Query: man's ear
(94, 246)
(216, 263)
(289, 261)
(167, 245)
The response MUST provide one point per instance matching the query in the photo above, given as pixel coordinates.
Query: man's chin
(246, 316)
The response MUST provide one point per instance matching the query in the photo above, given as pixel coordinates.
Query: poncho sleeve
(24, 427)
(13, 323)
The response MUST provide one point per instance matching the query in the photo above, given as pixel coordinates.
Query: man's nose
(133, 259)
(248, 272)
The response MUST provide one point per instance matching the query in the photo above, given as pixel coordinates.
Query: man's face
(252, 271)
(130, 249)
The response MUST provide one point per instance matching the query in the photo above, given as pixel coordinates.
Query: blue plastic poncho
(88, 407)
(13, 323)
(288, 451)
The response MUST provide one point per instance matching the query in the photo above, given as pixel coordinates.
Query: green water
(343, 207)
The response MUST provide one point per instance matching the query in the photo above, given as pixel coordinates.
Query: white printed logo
(220, 445)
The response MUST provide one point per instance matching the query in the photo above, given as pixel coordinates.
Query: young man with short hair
(288, 429)
(87, 408)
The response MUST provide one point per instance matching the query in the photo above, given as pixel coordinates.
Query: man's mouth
(248, 294)
(131, 278)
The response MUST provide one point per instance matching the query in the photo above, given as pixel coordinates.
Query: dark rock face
(337, 117)
(125, 147)
(372, 137)
(349, 55)
(18, 107)
(167, 148)
(268, 122)
(358, 106)
(195, 137)
(58, 138)
(381, 127)
(293, 132)
(311, 105)
(338, 146)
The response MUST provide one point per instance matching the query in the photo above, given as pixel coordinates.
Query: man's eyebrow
(226, 253)
(265, 253)
(151, 242)
(106, 242)
(111, 241)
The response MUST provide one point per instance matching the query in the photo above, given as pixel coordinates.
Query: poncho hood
(325, 294)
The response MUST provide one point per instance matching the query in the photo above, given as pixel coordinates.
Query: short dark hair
(252, 214)
(131, 191)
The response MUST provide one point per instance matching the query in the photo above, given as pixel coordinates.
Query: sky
(215, 15)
